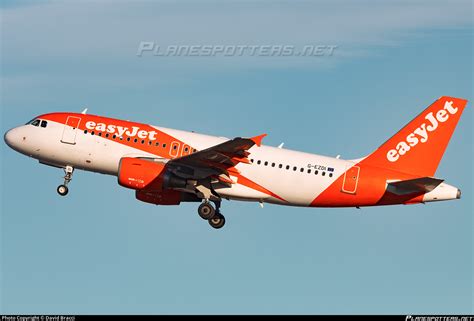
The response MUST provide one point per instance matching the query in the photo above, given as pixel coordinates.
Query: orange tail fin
(419, 146)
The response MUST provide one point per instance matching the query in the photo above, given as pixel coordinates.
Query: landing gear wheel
(218, 221)
(62, 190)
(206, 211)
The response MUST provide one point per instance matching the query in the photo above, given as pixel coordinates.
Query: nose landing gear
(63, 189)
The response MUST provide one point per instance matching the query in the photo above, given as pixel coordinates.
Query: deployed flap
(418, 185)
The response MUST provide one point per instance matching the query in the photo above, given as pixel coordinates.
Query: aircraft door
(351, 179)
(70, 130)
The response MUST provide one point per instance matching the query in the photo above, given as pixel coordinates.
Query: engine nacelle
(153, 182)
(166, 197)
(138, 174)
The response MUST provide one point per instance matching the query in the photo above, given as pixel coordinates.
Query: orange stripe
(161, 137)
(247, 182)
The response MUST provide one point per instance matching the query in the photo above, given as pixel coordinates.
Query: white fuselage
(98, 154)
(275, 175)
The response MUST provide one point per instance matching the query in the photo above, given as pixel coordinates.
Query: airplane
(168, 166)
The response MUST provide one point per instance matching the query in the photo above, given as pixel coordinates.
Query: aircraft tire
(218, 221)
(63, 190)
(206, 211)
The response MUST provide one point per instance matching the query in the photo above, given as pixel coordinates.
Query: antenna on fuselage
(281, 145)
(84, 111)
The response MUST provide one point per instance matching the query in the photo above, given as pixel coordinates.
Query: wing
(217, 161)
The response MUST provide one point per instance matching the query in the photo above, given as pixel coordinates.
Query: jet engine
(142, 174)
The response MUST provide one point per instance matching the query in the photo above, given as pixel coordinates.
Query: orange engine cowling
(141, 174)
(166, 197)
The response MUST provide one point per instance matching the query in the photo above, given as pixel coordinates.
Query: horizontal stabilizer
(418, 185)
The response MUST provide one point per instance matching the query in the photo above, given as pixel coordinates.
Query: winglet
(258, 139)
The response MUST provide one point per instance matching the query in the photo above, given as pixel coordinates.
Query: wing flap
(221, 158)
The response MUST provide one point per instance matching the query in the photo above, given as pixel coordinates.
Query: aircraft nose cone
(458, 195)
(12, 138)
(9, 137)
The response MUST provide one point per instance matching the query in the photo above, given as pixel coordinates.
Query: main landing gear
(211, 214)
(63, 189)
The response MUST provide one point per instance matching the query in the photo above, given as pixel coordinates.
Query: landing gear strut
(63, 189)
(212, 214)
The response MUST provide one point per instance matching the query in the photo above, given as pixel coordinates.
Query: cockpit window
(44, 123)
(35, 122)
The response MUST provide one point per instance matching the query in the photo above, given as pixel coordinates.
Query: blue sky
(100, 251)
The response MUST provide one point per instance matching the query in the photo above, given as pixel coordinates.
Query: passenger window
(330, 174)
(100, 134)
(115, 136)
(302, 170)
(287, 167)
(295, 168)
(157, 144)
(128, 139)
(44, 123)
(266, 163)
(251, 160)
(280, 166)
(85, 132)
(316, 172)
(92, 133)
(107, 135)
(164, 145)
(309, 171)
(143, 141)
(273, 164)
(135, 140)
(323, 173)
